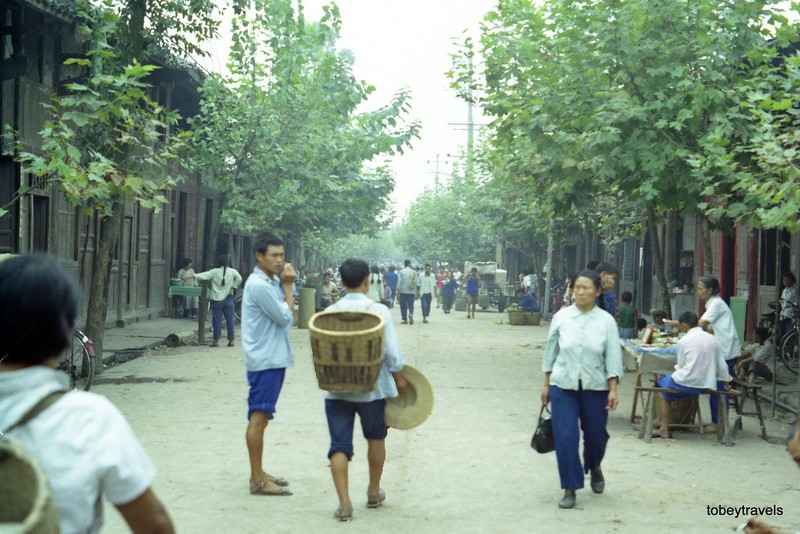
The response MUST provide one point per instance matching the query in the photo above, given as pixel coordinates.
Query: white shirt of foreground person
(83, 443)
(392, 360)
(699, 363)
(721, 319)
(583, 347)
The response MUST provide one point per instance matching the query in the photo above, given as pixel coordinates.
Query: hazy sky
(407, 44)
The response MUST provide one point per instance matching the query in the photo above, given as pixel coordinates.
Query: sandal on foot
(261, 489)
(275, 480)
(343, 514)
(374, 501)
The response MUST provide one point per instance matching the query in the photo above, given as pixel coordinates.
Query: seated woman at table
(186, 274)
(699, 368)
(757, 359)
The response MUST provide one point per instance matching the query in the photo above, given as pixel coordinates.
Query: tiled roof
(63, 9)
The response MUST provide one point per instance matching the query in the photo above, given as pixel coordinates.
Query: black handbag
(542, 440)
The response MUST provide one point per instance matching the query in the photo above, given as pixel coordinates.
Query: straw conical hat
(414, 406)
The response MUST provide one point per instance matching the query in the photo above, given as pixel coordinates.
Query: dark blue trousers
(425, 300)
(570, 407)
(712, 399)
(220, 309)
(406, 305)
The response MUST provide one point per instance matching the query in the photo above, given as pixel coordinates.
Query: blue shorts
(686, 391)
(265, 386)
(341, 416)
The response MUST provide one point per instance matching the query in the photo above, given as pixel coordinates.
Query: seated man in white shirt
(757, 359)
(699, 368)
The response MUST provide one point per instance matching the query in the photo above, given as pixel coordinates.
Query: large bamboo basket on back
(347, 348)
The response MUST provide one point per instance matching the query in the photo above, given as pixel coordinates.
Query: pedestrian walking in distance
(426, 285)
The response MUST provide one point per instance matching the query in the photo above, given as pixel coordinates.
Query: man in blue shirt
(341, 407)
(267, 315)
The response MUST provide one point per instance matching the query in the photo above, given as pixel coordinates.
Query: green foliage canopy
(281, 136)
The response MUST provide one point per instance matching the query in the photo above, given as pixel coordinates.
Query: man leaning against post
(341, 408)
(266, 319)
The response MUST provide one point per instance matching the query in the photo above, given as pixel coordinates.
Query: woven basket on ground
(347, 349)
(533, 318)
(516, 317)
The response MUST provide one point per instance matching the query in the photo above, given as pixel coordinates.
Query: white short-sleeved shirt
(83, 443)
(699, 363)
(721, 319)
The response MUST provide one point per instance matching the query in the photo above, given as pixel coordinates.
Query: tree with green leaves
(614, 96)
(445, 226)
(280, 133)
(106, 141)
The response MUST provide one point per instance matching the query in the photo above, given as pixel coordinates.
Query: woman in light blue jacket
(582, 365)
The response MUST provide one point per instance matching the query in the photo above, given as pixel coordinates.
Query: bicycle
(79, 362)
(790, 342)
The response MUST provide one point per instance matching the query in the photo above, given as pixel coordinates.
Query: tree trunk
(658, 260)
(708, 260)
(97, 309)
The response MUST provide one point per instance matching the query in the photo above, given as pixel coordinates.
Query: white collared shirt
(721, 319)
(700, 364)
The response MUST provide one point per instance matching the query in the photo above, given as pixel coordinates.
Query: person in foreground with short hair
(267, 315)
(82, 441)
(582, 365)
(341, 408)
(699, 368)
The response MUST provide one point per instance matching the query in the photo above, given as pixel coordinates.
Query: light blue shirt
(392, 359)
(582, 346)
(266, 320)
(406, 275)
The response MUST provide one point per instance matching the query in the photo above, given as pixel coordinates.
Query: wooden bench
(745, 387)
(724, 431)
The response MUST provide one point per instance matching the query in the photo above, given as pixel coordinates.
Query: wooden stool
(746, 388)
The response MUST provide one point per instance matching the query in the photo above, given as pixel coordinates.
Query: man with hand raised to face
(267, 316)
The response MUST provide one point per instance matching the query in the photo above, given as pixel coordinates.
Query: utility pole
(470, 126)
(436, 176)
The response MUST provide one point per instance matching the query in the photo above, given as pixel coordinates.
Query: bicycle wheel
(789, 351)
(237, 309)
(78, 363)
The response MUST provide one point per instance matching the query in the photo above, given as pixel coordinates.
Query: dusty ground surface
(468, 468)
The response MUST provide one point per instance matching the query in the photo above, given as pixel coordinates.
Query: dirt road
(469, 468)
